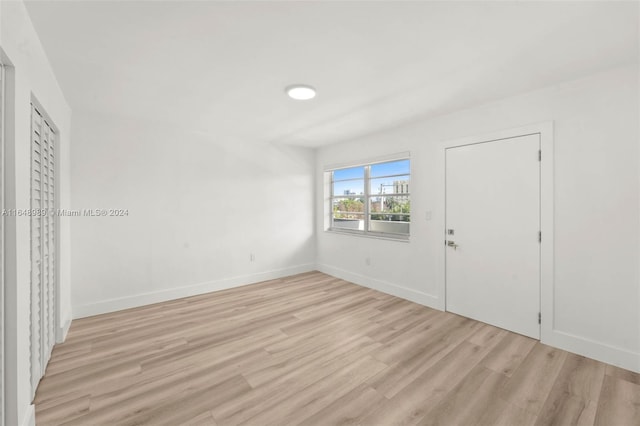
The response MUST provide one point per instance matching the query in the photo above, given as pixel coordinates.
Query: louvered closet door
(36, 249)
(48, 244)
(51, 244)
(43, 244)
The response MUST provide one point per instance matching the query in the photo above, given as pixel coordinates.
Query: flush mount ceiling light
(300, 92)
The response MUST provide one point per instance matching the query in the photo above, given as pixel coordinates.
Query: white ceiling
(221, 67)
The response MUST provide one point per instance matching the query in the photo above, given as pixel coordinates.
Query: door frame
(545, 130)
(2, 263)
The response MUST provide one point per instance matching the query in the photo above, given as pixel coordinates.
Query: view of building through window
(373, 198)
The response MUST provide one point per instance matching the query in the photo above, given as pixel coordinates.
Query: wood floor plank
(347, 409)
(410, 405)
(573, 398)
(507, 356)
(316, 350)
(312, 399)
(396, 378)
(283, 387)
(466, 403)
(168, 382)
(619, 403)
(530, 384)
(619, 373)
(203, 419)
(501, 413)
(192, 400)
(64, 408)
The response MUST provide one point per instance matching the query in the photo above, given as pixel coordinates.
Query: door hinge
(539, 318)
(539, 236)
(539, 155)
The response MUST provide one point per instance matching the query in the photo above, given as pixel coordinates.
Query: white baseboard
(425, 299)
(579, 345)
(133, 301)
(29, 417)
(61, 333)
(608, 354)
(582, 346)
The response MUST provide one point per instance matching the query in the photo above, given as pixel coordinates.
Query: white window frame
(367, 197)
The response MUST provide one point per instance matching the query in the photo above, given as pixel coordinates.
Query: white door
(492, 233)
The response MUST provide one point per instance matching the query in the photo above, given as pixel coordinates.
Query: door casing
(2, 264)
(545, 130)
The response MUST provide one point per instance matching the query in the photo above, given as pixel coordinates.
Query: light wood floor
(315, 350)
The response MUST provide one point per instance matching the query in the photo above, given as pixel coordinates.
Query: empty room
(323, 213)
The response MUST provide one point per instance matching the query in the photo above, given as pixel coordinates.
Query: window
(372, 199)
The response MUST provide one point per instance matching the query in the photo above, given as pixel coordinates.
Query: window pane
(348, 187)
(391, 217)
(390, 214)
(354, 221)
(390, 208)
(351, 173)
(401, 167)
(344, 208)
(390, 185)
(390, 226)
(348, 213)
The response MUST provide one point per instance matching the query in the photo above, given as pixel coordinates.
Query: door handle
(452, 244)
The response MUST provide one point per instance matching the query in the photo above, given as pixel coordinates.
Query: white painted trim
(425, 299)
(609, 354)
(371, 160)
(548, 333)
(547, 214)
(29, 417)
(378, 236)
(63, 330)
(545, 130)
(142, 299)
(2, 248)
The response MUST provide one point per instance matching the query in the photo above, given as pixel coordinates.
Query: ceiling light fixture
(301, 92)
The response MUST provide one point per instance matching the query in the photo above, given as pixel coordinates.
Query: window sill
(387, 237)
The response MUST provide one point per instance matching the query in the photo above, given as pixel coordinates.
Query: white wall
(29, 75)
(198, 207)
(596, 308)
